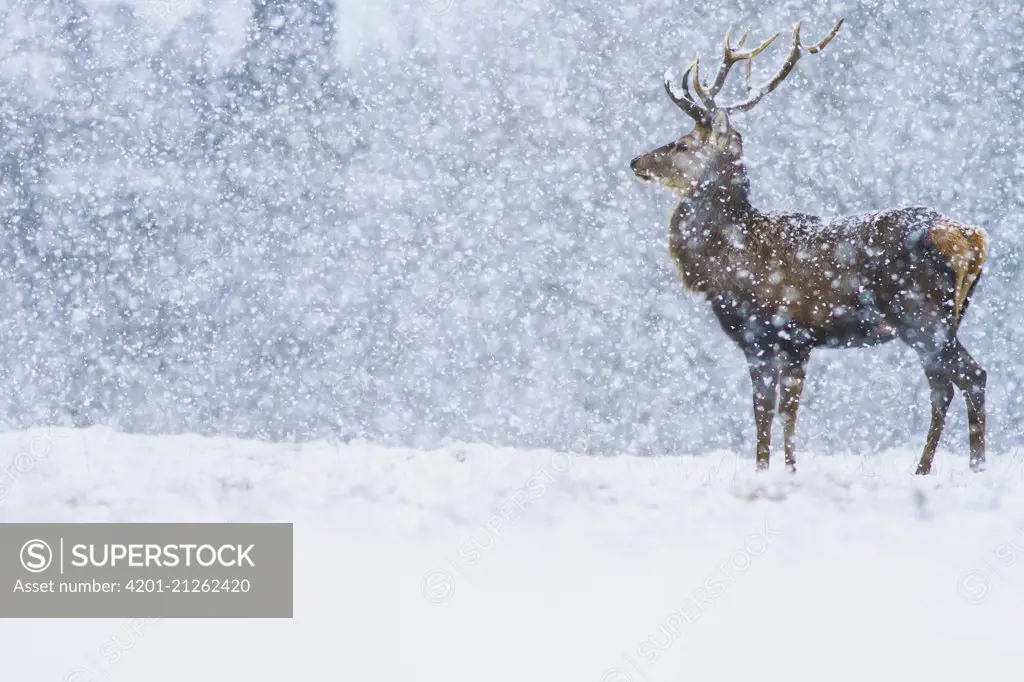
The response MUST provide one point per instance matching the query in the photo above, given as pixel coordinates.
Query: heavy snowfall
(381, 269)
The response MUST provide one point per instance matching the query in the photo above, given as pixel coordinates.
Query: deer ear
(720, 122)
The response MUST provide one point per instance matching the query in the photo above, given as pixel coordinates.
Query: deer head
(709, 155)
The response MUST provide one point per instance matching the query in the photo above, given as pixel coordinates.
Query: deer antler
(686, 103)
(795, 52)
(730, 56)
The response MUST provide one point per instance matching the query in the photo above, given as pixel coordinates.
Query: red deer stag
(782, 284)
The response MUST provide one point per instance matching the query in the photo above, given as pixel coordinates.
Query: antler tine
(730, 57)
(686, 86)
(760, 48)
(723, 70)
(686, 103)
(795, 52)
(707, 99)
(815, 49)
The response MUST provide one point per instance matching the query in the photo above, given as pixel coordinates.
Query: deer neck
(721, 200)
(704, 223)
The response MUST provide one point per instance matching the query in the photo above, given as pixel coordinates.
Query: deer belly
(827, 307)
(853, 328)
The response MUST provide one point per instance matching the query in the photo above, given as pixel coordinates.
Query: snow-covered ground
(483, 564)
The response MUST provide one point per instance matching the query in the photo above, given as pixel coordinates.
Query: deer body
(796, 280)
(782, 285)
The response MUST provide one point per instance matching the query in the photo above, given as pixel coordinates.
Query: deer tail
(965, 246)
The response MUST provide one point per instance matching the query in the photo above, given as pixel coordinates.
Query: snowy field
(479, 563)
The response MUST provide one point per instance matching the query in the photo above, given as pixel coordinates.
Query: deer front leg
(790, 387)
(764, 377)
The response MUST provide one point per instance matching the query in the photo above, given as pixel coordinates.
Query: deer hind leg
(942, 394)
(954, 365)
(764, 378)
(790, 387)
(971, 379)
